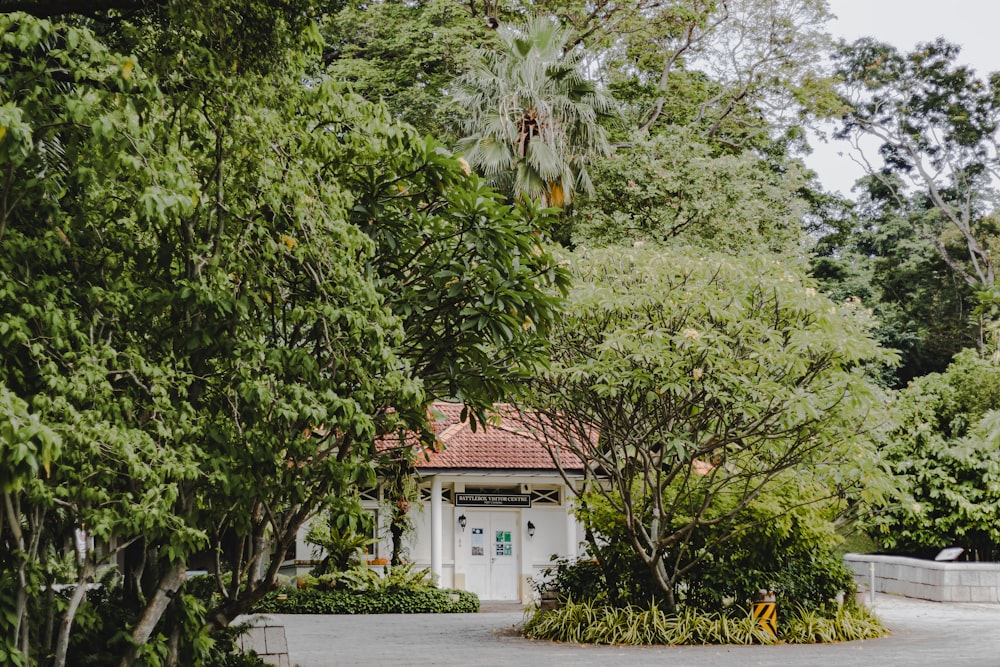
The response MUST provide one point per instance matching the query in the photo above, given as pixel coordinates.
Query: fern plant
(396, 578)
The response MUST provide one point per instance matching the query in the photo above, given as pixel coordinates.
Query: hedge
(320, 601)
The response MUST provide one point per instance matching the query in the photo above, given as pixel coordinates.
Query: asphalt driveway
(924, 634)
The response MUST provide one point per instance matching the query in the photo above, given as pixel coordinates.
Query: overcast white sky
(973, 24)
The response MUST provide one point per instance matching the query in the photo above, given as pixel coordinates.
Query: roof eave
(497, 472)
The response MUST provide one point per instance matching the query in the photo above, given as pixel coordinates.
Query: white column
(436, 531)
(571, 541)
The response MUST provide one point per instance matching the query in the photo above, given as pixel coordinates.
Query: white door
(503, 574)
(492, 571)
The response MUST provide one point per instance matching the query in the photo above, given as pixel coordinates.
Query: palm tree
(533, 116)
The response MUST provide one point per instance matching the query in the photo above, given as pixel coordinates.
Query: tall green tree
(935, 123)
(470, 277)
(219, 286)
(178, 310)
(245, 35)
(697, 384)
(533, 115)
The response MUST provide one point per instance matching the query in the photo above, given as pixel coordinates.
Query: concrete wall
(926, 579)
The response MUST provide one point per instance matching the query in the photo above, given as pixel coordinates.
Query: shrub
(341, 536)
(797, 577)
(588, 623)
(577, 579)
(584, 622)
(403, 589)
(847, 623)
(792, 552)
(396, 578)
(320, 601)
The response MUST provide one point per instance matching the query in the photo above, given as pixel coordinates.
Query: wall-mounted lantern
(462, 521)
(531, 529)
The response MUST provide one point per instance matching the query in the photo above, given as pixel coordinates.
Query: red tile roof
(506, 443)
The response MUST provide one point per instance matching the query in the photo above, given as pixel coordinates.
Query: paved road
(924, 634)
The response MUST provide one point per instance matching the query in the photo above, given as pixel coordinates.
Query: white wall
(555, 532)
(552, 530)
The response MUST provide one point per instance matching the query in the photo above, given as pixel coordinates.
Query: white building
(493, 508)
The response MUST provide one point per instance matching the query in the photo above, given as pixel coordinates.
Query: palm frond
(532, 112)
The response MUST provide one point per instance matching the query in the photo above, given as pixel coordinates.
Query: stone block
(274, 639)
(961, 594)
(990, 578)
(968, 578)
(256, 642)
(928, 592)
(983, 594)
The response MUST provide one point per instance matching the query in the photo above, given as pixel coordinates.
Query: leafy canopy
(944, 450)
(936, 125)
(696, 383)
(673, 189)
(220, 286)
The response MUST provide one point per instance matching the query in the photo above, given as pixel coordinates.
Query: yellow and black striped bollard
(765, 611)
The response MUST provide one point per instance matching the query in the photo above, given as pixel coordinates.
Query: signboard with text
(493, 500)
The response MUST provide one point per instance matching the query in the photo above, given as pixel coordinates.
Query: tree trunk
(396, 529)
(260, 546)
(169, 584)
(133, 570)
(66, 625)
(174, 647)
(245, 598)
(21, 631)
(666, 585)
(50, 621)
